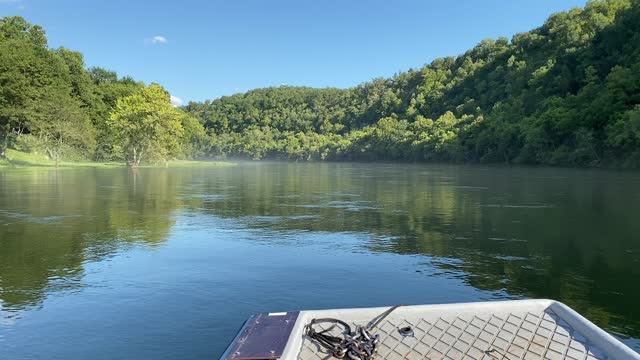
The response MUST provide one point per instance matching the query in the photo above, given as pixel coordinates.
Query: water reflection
(563, 234)
(52, 222)
(527, 232)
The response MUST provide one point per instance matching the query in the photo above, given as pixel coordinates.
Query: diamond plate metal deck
(537, 333)
(505, 330)
(498, 336)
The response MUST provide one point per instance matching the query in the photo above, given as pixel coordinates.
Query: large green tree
(50, 102)
(64, 126)
(147, 125)
(27, 72)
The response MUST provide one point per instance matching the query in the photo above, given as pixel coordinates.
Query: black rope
(376, 320)
(357, 345)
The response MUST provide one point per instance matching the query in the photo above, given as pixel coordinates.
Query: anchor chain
(360, 344)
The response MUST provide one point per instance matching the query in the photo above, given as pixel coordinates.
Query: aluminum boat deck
(522, 329)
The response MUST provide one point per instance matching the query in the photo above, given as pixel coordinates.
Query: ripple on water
(510, 258)
(36, 219)
(506, 239)
(206, 197)
(466, 187)
(340, 204)
(543, 206)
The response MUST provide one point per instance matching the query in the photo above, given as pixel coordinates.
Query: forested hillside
(50, 103)
(566, 93)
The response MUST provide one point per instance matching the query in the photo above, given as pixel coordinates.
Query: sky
(202, 49)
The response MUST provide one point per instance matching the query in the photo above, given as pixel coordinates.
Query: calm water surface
(168, 263)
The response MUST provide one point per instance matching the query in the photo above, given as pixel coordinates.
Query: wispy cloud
(9, 1)
(176, 101)
(156, 39)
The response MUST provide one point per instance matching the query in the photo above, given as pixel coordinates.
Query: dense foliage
(50, 103)
(567, 93)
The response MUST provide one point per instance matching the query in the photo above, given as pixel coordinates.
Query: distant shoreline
(19, 159)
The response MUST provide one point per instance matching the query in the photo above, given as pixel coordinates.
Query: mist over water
(168, 263)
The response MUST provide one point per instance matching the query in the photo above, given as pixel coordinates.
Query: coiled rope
(360, 344)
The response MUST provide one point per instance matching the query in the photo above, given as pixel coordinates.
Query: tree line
(50, 103)
(566, 93)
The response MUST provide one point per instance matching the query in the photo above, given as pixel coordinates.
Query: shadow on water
(569, 235)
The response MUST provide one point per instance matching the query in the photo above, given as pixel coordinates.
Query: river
(168, 263)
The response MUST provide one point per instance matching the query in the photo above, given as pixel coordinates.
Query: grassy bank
(21, 159)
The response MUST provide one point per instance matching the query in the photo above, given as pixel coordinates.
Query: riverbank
(18, 159)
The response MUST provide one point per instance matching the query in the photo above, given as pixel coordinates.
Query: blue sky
(206, 49)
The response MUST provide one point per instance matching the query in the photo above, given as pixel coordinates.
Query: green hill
(566, 93)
